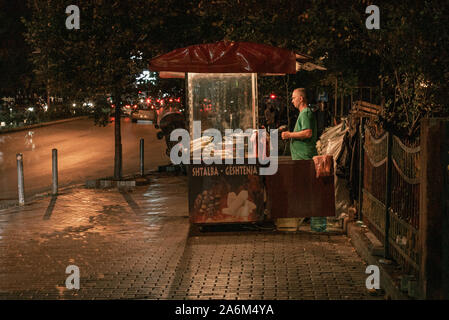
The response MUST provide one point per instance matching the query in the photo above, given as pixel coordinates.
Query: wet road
(85, 152)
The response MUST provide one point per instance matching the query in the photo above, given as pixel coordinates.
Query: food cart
(221, 82)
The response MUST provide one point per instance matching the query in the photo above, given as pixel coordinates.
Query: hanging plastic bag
(324, 165)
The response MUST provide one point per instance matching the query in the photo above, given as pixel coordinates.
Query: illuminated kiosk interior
(221, 81)
(222, 100)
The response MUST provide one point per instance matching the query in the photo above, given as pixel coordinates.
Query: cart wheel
(160, 135)
(156, 126)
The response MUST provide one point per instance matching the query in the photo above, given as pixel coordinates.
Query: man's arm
(304, 134)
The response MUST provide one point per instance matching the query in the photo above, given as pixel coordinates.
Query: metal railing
(390, 203)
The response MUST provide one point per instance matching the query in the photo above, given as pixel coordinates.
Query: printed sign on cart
(225, 193)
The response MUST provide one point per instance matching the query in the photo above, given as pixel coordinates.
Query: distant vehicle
(126, 110)
(112, 115)
(143, 113)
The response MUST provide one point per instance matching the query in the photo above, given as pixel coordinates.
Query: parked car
(143, 113)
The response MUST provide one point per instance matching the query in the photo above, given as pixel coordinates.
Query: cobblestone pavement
(137, 245)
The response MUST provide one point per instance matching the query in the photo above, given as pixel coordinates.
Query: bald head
(299, 97)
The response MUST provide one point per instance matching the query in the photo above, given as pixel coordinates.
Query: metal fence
(390, 203)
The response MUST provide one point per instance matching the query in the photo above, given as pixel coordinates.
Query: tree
(94, 60)
(16, 75)
(117, 39)
(114, 43)
(407, 54)
(411, 47)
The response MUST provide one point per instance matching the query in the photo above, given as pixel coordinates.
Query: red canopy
(228, 57)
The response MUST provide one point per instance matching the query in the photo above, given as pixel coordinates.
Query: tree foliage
(407, 55)
(411, 46)
(16, 74)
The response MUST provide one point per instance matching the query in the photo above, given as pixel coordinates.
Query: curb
(7, 204)
(388, 273)
(102, 183)
(128, 181)
(43, 124)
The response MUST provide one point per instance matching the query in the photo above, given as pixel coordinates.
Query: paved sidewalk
(137, 245)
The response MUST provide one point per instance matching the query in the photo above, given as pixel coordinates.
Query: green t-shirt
(304, 149)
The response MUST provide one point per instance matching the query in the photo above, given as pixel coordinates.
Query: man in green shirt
(304, 136)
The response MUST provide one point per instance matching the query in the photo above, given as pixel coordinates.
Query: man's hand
(286, 135)
(303, 134)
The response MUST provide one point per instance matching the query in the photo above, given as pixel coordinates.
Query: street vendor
(304, 136)
(303, 143)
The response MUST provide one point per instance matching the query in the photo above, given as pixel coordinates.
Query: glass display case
(223, 100)
(223, 193)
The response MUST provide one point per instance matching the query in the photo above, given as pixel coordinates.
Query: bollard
(54, 157)
(141, 157)
(20, 184)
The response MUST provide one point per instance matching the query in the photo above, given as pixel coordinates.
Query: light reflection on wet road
(85, 152)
